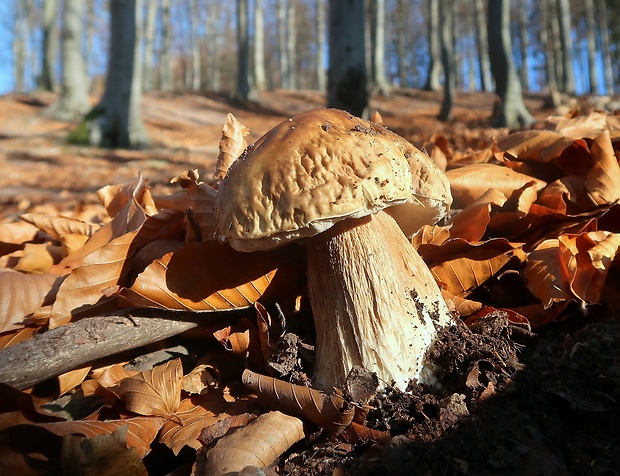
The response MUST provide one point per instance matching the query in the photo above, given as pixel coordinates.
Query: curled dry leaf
(603, 180)
(73, 378)
(468, 183)
(331, 412)
(34, 259)
(22, 294)
(58, 227)
(258, 444)
(461, 266)
(155, 392)
(432, 234)
(202, 277)
(201, 202)
(232, 145)
(358, 434)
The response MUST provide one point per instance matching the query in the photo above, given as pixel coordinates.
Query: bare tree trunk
(117, 120)
(291, 43)
(165, 64)
(591, 36)
(512, 112)
(49, 46)
(525, 44)
(260, 77)
(547, 45)
(605, 43)
(149, 44)
(401, 41)
(554, 28)
(73, 101)
(321, 50)
(434, 46)
(213, 70)
(482, 43)
(566, 43)
(346, 83)
(282, 44)
(20, 36)
(380, 83)
(90, 34)
(446, 13)
(196, 68)
(244, 92)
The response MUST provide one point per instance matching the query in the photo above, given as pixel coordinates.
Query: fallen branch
(65, 348)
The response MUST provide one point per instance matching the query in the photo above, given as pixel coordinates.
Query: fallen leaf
(232, 145)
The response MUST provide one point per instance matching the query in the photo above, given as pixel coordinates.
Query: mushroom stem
(374, 300)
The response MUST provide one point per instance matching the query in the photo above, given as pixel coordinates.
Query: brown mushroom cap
(318, 168)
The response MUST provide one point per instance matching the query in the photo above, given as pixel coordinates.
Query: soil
(512, 401)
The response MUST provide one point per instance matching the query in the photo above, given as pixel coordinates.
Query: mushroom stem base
(374, 300)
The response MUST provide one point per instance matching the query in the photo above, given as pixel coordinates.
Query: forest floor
(553, 405)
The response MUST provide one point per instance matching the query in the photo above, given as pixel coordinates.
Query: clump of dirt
(511, 402)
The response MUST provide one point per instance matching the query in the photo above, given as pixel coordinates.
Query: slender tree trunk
(321, 47)
(482, 44)
(446, 13)
(244, 91)
(20, 36)
(401, 41)
(260, 77)
(554, 28)
(512, 112)
(165, 64)
(547, 46)
(605, 44)
(291, 43)
(566, 43)
(90, 35)
(117, 120)
(591, 37)
(196, 68)
(377, 40)
(524, 9)
(149, 44)
(434, 46)
(73, 101)
(49, 47)
(282, 44)
(347, 83)
(213, 52)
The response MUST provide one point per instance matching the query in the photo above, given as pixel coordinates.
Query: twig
(68, 347)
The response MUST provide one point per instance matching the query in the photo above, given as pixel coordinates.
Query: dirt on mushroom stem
(375, 303)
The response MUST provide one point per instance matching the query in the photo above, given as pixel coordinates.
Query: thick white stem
(374, 300)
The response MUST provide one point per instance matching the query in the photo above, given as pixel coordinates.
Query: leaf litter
(529, 381)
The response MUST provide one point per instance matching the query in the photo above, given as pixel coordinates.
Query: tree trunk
(380, 83)
(346, 84)
(149, 43)
(566, 44)
(244, 92)
(213, 52)
(401, 41)
(88, 48)
(260, 77)
(321, 47)
(446, 13)
(196, 69)
(73, 101)
(511, 112)
(282, 45)
(165, 64)
(591, 36)
(434, 47)
(49, 46)
(482, 43)
(117, 120)
(525, 44)
(20, 38)
(605, 44)
(547, 46)
(291, 43)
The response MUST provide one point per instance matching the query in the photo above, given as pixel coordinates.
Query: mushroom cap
(318, 168)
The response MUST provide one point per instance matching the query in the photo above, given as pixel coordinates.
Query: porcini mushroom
(328, 176)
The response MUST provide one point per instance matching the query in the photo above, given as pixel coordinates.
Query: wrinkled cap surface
(318, 168)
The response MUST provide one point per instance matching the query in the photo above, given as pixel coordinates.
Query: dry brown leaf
(197, 413)
(358, 434)
(73, 378)
(461, 266)
(471, 223)
(521, 200)
(7, 339)
(201, 379)
(141, 431)
(470, 182)
(431, 234)
(22, 294)
(202, 277)
(16, 233)
(34, 259)
(543, 146)
(544, 275)
(579, 127)
(461, 306)
(155, 392)
(331, 412)
(232, 145)
(71, 243)
(200, 207)
(259, 444)
(58, 227)
(603, 180)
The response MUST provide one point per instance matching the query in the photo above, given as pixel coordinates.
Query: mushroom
(342, 183)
